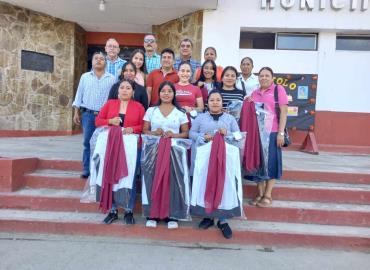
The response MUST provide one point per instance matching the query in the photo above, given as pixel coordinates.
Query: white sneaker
(151, 223)
(172, 225)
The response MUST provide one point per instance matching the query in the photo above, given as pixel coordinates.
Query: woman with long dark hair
(228, 88)
(129, 72)
(165, 181)
(128, 114)
(138, 58)
(208, 79)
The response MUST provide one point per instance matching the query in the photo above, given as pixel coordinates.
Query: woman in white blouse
(166, 119)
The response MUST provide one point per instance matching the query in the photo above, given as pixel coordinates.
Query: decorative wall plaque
(37, 61)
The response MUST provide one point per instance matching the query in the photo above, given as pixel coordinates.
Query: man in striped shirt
(92, 93)
(113, 62)
(152, 59)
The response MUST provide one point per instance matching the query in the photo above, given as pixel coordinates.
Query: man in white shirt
(247, 81)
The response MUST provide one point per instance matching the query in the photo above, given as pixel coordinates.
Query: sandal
(256, 200)
(265, 202)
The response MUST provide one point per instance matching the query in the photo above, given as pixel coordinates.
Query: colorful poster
(302, 92)
(292, 111)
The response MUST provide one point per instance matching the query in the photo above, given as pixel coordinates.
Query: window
(278, 41)
(353, 43)
(256, 40)
(296, 41)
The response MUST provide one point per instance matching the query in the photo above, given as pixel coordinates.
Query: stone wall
(32, 100)
(170, 33)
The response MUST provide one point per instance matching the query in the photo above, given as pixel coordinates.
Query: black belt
(82, 109)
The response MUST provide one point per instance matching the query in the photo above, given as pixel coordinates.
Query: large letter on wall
(264, 4)
(365, 5)
(322, 4)
(353, 5)
(337, 4)
(287, 4)
(310, 4)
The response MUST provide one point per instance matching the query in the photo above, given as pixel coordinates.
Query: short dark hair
(185, 63)
(187, 40)
(245, 58)
(168, 50)
(268, 69)
(100, 53)
(210, 48)
(215, 91)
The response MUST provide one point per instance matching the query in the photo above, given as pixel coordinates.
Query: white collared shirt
(250, 84)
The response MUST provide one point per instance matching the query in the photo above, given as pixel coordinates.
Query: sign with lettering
(37, 61)
(301, 91)
(352, 5)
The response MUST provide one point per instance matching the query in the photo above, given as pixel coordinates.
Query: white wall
(343, 75)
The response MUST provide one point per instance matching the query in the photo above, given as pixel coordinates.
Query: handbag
(287, 140)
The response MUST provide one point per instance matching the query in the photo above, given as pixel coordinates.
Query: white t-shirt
(171, 122)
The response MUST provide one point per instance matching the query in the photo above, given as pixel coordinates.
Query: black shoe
(112, 216)
(84, 175)
(206, 223)
(129, 218)
(225, 229)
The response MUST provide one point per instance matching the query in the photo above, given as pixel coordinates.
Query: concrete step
(315, 191)
(285, 189)
(58, 179)
(244, 232)
(288, 174)
(282, 211)
(320, 176)
(73, 165)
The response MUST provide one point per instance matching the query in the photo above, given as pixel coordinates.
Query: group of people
(175, 123)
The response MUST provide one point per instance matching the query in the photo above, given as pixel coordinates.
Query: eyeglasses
(185, 46)
(149, 40)
(112, 46)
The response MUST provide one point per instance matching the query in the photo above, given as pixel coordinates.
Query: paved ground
(70, 148)
(45, 252)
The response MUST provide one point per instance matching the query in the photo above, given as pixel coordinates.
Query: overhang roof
(124, 16)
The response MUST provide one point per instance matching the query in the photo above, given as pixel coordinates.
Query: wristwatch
(281, 133)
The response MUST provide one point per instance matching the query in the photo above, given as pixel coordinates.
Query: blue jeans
(88, 126)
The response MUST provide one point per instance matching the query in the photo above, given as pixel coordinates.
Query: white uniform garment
(97, 161)
(232, 198)
(179, 173)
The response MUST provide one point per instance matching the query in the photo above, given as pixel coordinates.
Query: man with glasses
(114, 62)
(152, 59)
(186, 48)
(92, 93)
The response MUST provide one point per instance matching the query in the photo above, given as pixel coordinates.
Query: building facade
(329, 38)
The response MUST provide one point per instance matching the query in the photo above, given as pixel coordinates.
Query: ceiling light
(102, 5)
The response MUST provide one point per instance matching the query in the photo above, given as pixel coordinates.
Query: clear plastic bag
(179, 176)
(234, 108)
(121, 190)
(231, 205)
(264, 120)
